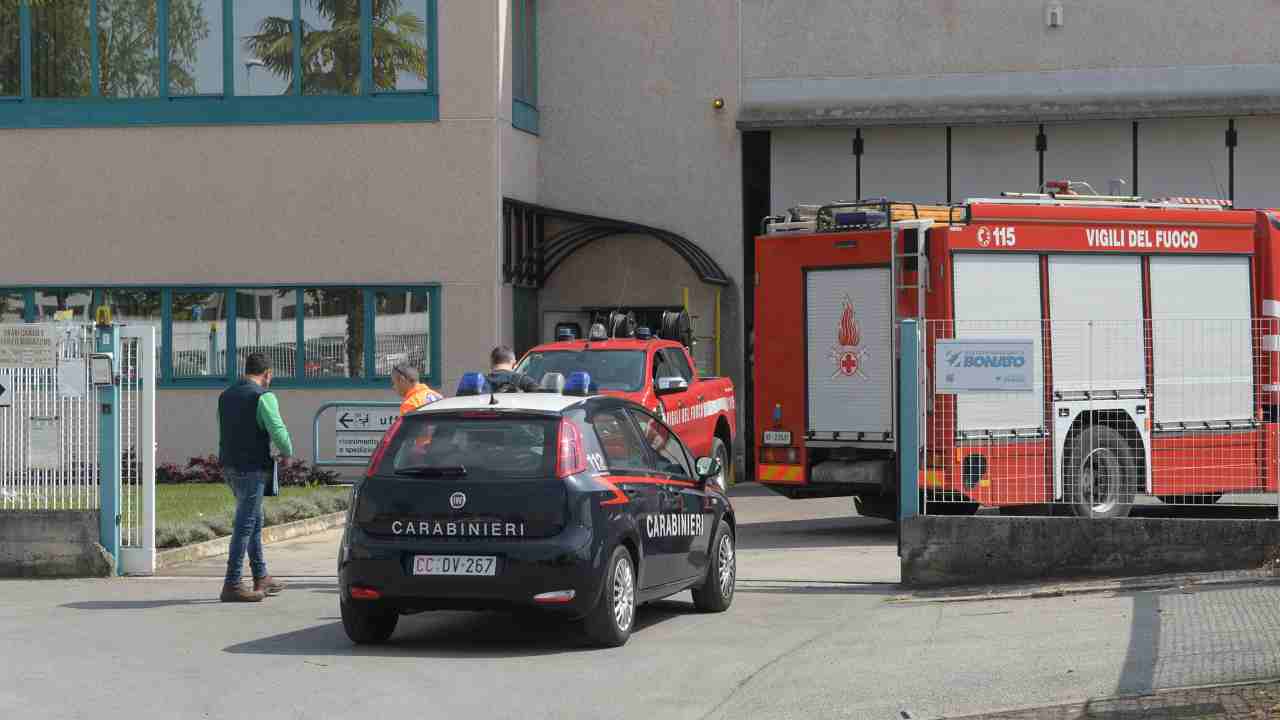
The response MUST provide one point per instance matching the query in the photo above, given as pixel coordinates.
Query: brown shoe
(268, 585)
(240, 593)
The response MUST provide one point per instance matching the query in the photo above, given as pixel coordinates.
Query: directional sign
(365, 420)
(28, 346)
(352, 445)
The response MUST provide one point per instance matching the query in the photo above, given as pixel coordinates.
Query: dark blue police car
(581, 505)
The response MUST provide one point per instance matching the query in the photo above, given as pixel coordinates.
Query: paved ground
(819, 629)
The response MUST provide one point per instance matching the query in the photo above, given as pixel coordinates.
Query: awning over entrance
(530, 256)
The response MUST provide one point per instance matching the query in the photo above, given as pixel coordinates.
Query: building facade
(346, 185)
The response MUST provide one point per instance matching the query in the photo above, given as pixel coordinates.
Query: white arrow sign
(355, 419)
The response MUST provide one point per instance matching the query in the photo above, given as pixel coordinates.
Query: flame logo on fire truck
(847, 353)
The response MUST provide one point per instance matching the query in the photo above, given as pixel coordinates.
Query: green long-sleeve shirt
(269, 420)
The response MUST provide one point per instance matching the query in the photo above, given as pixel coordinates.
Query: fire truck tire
(720, 452)
(1100, 479)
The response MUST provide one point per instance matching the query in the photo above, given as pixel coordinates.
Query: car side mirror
(707, 467)
(669, 385)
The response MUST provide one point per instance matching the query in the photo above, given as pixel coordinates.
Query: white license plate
(777, 437)
(455, 565)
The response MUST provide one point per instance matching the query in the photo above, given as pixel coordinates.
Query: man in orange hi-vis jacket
(413, 393)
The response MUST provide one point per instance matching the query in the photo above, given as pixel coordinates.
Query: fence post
(908, 421)
(108, 341)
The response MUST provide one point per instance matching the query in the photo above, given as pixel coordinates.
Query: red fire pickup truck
(658, 374)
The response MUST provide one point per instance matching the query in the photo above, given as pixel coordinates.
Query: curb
(1185, 583)
(272, 534)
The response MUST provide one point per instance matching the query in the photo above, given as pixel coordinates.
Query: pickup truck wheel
(721, 453)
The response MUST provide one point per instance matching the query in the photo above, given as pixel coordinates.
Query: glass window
(12, 306)
(199, 334)
(333, 326)
(666, 446)
(195, 47)
(400, 323)
(679, 364)
(60, 49)
(137, 307)
(10, 49)
(399, 45)
(261, 328)
(331, 47)
(524, 61)
(609, 369)
(264, 47)
(128, 48)
(72, 304)
(493, 449)
(619, 441)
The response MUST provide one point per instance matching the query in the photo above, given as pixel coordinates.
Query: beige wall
(628, 132)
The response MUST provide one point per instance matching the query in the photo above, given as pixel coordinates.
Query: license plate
(455, 565)
(777, 437)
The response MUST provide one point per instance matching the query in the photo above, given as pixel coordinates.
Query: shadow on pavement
(136, 604)
(816, 533)
(455, 635)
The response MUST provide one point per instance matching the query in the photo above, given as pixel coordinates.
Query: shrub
(207, 469)
(171, 474)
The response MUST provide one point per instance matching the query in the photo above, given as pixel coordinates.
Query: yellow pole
(684, 298)
(717, 331)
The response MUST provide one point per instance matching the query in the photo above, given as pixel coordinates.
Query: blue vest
(244, 446)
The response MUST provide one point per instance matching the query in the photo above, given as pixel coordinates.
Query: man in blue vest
(248, 424)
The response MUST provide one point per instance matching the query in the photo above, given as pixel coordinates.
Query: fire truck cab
(1099, 283)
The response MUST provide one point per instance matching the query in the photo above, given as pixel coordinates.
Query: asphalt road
(819, 629)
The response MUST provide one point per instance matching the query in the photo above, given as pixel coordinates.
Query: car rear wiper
(431, 470)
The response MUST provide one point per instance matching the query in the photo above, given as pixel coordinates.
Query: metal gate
(65, 442)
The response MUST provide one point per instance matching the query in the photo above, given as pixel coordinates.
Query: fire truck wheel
(721, 453)
(1100, 479)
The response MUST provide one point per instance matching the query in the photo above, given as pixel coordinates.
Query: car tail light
(387, 437)
(571, 458)
(780, 455)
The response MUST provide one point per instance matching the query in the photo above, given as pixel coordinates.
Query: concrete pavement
(815, 632)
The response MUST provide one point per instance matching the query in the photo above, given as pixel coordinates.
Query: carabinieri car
(580, 505)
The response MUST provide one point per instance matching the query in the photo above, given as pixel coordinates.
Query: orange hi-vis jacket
(418, 396)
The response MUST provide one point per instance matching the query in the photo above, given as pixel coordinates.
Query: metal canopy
(529, 257)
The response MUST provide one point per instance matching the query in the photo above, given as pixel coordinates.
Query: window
(264, 47)
(609, 369)
(500, 449)
(260, 328)
(198, 330)
(399, 46)
(10, 49)
(669, 453)
(195, 47)
(398, 319)
(219, 56)
(679, 364)
(137, 307)
(128, 48)
(64, 304)
(331, 47)
(619, 441)
(334, 331)
(524, 64)
(13, 306)
(60, 50)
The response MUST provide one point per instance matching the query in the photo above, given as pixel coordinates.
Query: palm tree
(331, 57)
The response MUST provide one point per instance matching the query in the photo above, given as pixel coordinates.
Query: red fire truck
(1098, 285)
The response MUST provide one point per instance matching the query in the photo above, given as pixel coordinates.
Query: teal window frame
(299, 380)
(227, 108)
(524, 109)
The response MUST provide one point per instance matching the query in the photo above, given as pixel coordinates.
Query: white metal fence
(137, 449)
(1168, 410)
(49, 431)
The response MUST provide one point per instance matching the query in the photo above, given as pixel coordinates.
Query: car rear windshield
(621, 370)
(480, 446)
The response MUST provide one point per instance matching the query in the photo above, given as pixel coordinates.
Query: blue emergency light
(579, 383)
(472, 383)
(643, 333)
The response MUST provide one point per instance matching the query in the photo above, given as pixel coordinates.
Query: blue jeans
(247, 487)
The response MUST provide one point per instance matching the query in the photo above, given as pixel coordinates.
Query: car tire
(715, 594)
(609, 623)
(367, 625)
(720, 452)
(1100, 476)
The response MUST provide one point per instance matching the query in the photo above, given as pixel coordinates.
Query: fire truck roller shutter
(850, 361)
(998, 296)
(1201, 338)
(1095, 303)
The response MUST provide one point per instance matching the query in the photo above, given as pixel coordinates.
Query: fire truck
(1096, 283)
